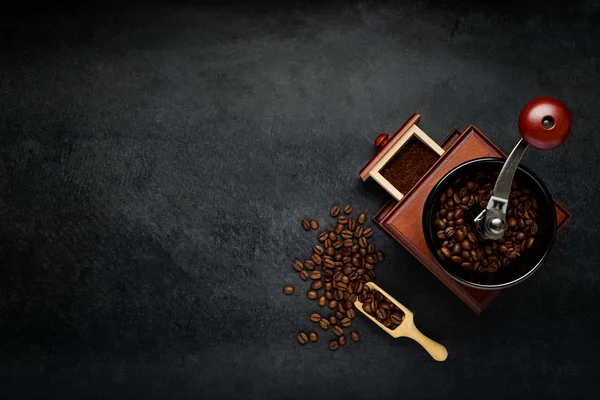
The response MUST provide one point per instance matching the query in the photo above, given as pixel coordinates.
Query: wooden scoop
(407, 328)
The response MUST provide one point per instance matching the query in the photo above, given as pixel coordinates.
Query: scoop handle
(435, 350)
(545, 123)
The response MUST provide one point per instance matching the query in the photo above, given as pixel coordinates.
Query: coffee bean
(309, 265)
(340, 307)
(449, 232)
(342, 285)
(313, 337)
(348, 209)
(306, 225)
(314, 317)
(318, 250)
(302, 338)
(351, 313)
(362, 218)
(368, 232)
(381, 314)
(343, 220)
(332, 236)
(337, 331)
(456, 259)
(346, 322)
(335, 211)
(324, 323)
(440, 224)
(332, 319)
(333, 345)
(315, 275)
(303, 275)
(323, 300)
(520, 236)
(338, 295)
(396, 318)
(327, 243)
(530, 242)
(342, 340)
(459, 236)
(323, 236)
(371, 248)
(316, 285)
(288, 290)
(338, 229)
(380, 256)
(358, 232)
(352, 224)
(298, 266)
(355, 248)
(362, 242)
(348, 243)
(355, 336)
(312, 294)
(472, 237)
(466, 244)
(314, 224)
(316, 259)
(332, 303)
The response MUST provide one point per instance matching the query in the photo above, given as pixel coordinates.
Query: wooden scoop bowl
(407, 328)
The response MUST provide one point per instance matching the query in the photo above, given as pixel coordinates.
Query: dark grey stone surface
(155, 162)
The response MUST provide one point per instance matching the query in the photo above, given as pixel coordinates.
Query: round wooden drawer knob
(381, 141)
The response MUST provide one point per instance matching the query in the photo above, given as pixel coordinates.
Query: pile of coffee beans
(459, 240)
(340, 264)
(381, 308)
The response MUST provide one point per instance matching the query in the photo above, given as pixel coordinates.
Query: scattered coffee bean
(338, 331)
(302, 338)
(346, 322)
(315, 317)
(315, 275)
(342, 340)
(298, 266)
(314, 224)
(323, 300)
(288, 290)
(316, 258)
(362, 218)
(316, 285)
(368, 232)
(306, 225)
(313, 337)
(352, 224)
(303, 275)
(355, 336)
(335, 211)
(333, 345)
(348, 209)
(324, 324)
(312, 294)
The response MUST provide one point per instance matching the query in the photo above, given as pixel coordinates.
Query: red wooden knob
(545, 123)
(381, 141)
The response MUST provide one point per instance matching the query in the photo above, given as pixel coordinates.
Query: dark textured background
(156, 161)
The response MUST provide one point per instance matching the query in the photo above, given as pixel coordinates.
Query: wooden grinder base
(402, 219)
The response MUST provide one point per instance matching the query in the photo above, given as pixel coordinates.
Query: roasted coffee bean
(449, 232)
(332, 236)
(309, 265)
(396, 318)
(346, 322)
(303, 275)
(347, 234)
(472, 237)
(337, 330)
(288, 290)
(355, 336)
(341, 285)
(348, 209)
(316, 285)
(520, 236)
(302, 338)
(335, 211)
(456, 259)
(298, 266)
(323, 323)
(329, 264)
(371, 248)
(333, 345)
(530, 242)
(446, 252)
(362, 252)
(339, 315)
(466, 244)
(318, 250)
(355, 248)
(368, 232)
(338, 229)
(351, 313)
(348, 243)
(306, 225)
(323, 300)
(332, 320)
(329, 294)
(338, 295)
(343, 220)
(314, 224)
(380, 256)
(440, 224)
(315, 317)
(327, 243)
(342, 340)
(332, 303)
(362, 218)
(312, 294)
(358, 232)
(381, 314)
(331, 250)
(352, 224)
(313, 337)
(459, 236)
(362, 242)
(316, 259)
(323, 236)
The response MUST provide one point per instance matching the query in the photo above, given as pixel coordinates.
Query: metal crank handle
(544, 123)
